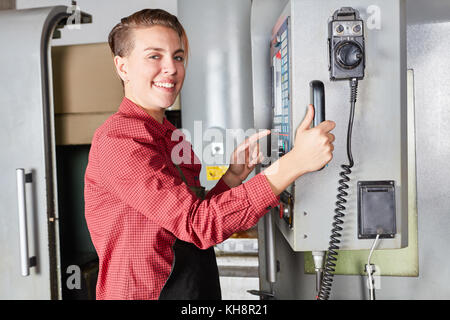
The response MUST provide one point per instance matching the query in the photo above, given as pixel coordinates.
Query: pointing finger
(252, 139)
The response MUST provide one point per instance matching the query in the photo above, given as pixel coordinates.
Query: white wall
(105, 15)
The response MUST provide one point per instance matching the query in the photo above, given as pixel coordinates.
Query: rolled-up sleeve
(220, 187)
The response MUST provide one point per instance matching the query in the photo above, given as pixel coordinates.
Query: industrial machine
(320, 51)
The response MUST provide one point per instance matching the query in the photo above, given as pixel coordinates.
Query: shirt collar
(131, 109)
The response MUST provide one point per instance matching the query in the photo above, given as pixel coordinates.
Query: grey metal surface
(425, 12)
(428, 48)
(238, 271)
(24, 140)
(269, 237)
(428, 56)
(218, 85)
(379, 131)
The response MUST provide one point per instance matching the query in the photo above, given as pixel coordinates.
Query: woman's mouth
(166, 86)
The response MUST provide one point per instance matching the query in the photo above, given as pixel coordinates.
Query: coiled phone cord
(330, 263)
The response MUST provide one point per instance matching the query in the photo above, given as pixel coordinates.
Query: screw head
(357, 28)
(340, 28)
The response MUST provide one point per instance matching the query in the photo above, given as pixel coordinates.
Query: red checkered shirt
(136, 204)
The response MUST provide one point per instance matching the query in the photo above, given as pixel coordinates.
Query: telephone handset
(318, 101)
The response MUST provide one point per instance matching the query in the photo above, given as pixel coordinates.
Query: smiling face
(153, 72)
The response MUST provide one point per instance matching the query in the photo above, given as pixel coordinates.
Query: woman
(152, 228)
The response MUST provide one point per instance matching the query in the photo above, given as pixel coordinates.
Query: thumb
(306, 123)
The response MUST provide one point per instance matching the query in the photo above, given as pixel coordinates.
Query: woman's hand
(244, 159)
(313, 149)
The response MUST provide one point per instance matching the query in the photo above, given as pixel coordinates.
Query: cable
(369, 269)
(330, 265)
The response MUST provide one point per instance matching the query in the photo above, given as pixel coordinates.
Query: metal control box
(299, 54)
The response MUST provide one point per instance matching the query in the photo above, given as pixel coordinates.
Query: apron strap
(199, 191)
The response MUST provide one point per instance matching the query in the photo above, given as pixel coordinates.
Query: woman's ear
(121, 64)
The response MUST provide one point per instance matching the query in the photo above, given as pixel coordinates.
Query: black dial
(349, 55)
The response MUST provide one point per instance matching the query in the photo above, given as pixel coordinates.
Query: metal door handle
(22, 208)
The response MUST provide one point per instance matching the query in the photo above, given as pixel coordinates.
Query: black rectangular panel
(376, 209)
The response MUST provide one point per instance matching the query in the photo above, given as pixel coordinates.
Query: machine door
(29, 254)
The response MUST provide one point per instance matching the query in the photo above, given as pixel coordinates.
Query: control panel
(282, 131)
(319, 51)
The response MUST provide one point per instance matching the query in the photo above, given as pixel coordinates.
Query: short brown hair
(122, 44)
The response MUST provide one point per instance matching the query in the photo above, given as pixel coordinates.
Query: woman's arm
(134, 170)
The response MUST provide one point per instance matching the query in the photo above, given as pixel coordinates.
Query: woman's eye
(179, 58)
(154, 57)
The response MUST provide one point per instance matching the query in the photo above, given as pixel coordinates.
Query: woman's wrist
(283, 172)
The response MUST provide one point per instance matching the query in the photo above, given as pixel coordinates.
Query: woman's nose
(169, 66)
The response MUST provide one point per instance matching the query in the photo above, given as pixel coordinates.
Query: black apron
(194, 274)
